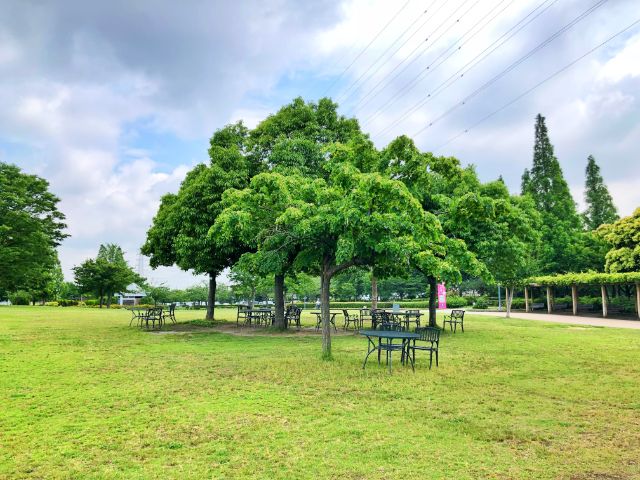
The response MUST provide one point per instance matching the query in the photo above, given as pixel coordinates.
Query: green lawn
(83, 395)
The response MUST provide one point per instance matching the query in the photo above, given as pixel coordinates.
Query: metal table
(389, 336)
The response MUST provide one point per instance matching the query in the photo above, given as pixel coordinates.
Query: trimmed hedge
(588, 278)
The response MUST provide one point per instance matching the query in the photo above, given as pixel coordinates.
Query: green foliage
(481, 303)
(588, 278)
(67, 303)
(179, 232)
(31, 227)
(546, 185)
(21, 297)
(600, 207)
(107, 275)
(623, 237)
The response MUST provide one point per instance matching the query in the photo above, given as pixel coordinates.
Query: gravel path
(577, 320)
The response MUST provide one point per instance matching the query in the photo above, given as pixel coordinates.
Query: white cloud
(74, 76)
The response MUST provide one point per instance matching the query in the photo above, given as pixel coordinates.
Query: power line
(528, 91)
(425, 72)
(344, 95)
(365, 48)
(408, 57)
(515, 64)
(475, 61)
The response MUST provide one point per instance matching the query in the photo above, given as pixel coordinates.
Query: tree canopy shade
(31, 227)
(624, 238)
(487, 231)
(546, 185)
(179, 232)
(105, 275)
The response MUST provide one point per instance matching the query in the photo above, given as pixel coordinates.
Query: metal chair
(171, 314)
(349, 319)
(152, 315)
(390, 323)
(431, 337)
(456, 317)
(292, 316)
(242, 314)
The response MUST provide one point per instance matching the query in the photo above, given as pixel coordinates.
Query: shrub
(91, 303)
(20, 298)
(481, 303)
(454, 301)
(68, 303)
(51, 304)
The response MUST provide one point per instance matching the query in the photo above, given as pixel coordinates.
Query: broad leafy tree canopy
(31, 227)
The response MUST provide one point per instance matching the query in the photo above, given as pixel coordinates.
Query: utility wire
(526, 92)
(365, 48)
(371, 92)
(425, 72)
(345, 94)
(515, 64)
(475, 61)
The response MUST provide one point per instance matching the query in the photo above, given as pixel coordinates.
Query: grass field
(83, 395)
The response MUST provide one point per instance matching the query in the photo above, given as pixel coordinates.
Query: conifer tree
(546, 185)
(600, 207)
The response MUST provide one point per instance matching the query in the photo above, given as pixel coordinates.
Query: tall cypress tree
(547, 187)
(600, 207)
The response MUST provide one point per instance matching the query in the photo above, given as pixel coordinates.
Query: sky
(114, 102)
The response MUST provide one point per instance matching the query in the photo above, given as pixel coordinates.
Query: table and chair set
(389, 332)
(256, 317)
(152, 318)
(390, 328)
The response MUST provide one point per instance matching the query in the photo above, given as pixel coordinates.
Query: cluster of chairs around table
(387, 327)
(152, 317)
(256, 317)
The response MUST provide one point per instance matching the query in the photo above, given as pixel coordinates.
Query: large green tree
(546, 185)
(106, 275)
(450, 193)
(293, 143)
(179, 232)
(31, 227)
(600, 207)
(623, 237)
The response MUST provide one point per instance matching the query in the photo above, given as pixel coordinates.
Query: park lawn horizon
(86, 396)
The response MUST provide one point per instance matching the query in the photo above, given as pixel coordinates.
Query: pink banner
(442, 296)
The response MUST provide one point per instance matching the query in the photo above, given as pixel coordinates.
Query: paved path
(577, 320)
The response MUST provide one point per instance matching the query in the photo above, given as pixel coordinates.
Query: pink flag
(442, 296)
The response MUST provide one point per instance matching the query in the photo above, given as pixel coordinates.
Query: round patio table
(389, 336)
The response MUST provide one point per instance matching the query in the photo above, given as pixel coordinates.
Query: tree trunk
(325, 284)
(211, 298)
(433, 300)
(252, 300)
(509, 299)
(101, 300)
(278, 291)
(374, 291)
